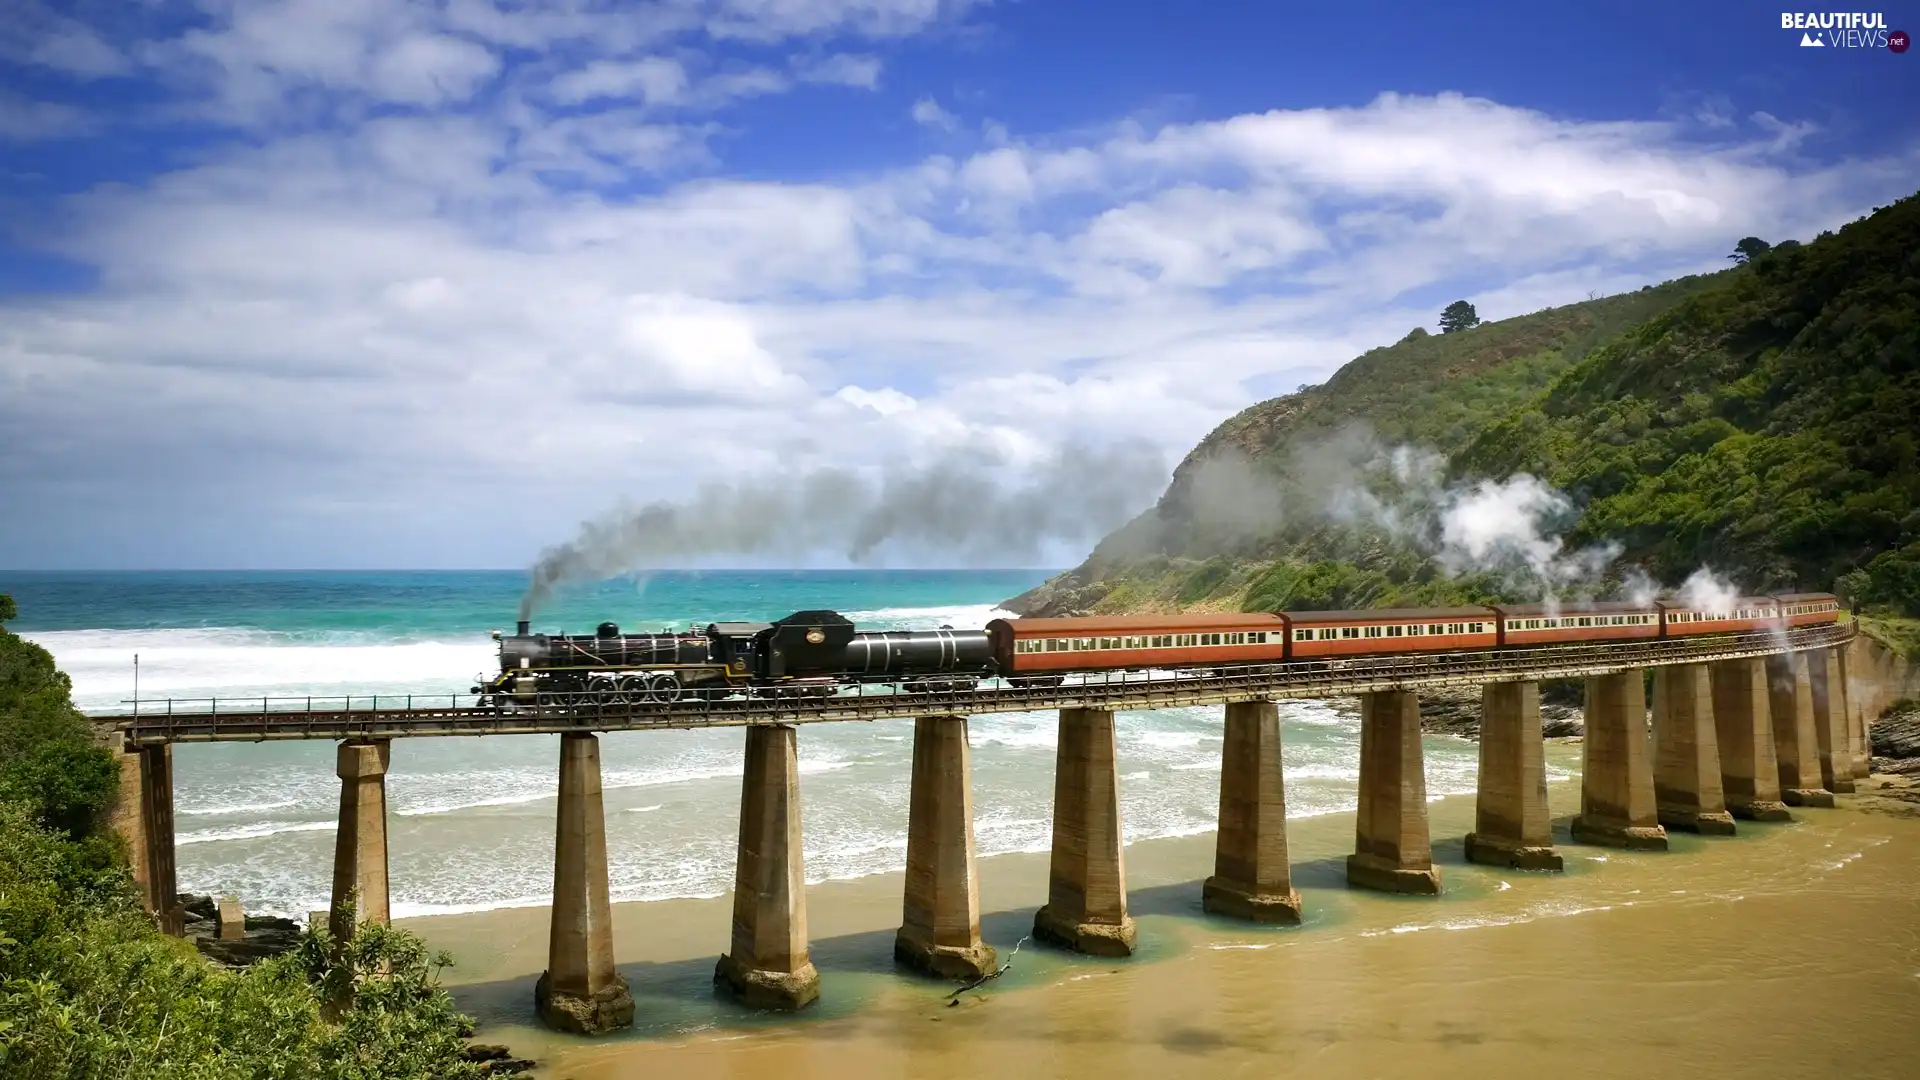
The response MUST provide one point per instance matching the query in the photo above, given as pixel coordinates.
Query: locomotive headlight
(816, 636)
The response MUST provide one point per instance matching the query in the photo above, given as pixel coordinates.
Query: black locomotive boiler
(806, 653)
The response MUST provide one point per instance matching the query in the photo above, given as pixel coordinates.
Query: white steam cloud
(1512, 529)
(1509, 528)
(952, 509)
(1708, 592)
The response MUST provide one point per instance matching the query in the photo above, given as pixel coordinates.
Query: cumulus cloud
(927, 113)
(442, 296)
(840, 69)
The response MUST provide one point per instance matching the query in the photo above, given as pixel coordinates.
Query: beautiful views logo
(1844, 30)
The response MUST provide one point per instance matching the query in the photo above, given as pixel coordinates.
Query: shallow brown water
(1789, 950)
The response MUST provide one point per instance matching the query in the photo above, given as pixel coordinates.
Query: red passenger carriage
(1552, 624)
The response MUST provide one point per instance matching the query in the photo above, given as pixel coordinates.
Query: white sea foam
(234, 808)
(250, 663)
(471, 804)
(254, 831)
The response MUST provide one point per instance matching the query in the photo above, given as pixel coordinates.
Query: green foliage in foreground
(89, 990)
(49, 759)
(1902, 636)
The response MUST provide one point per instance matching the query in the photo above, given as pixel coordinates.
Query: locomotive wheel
(664, 688)
(601, 692)
(548, 699)
(633, 689)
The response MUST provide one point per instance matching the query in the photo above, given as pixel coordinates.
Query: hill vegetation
(90, 990)
(1756, 421)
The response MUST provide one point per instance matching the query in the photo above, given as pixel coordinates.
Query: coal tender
(808, 653)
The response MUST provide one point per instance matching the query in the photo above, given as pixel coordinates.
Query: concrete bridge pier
(768, 966)
(1856, 717)
(1743, 727)
(1827, 683)
(1392, 850)
(1512, 826)
(1796, 751)
(1617, 806)
(144, 820)
(1687, 790)
(360, 846)
(1252, 878)
(580, 991)
(940, 926)
(1086, 907)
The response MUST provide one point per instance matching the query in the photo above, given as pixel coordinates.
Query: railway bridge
(1743, 726)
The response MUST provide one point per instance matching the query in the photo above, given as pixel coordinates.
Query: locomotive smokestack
(520, 628)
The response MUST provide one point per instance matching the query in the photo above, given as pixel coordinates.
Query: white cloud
(654, 80)
(841, 69)
(433, 315)
(22, 120)
(76, 50)
(928, 113)
(428, 69)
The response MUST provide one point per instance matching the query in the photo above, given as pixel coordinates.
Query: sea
(471, 819)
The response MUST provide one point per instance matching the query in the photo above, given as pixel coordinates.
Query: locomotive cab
(731, 644)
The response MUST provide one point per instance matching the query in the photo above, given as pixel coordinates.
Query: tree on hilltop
(1458, 316)
(1751, 247)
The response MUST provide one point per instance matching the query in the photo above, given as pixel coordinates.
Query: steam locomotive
(808, 653)
(815, 653)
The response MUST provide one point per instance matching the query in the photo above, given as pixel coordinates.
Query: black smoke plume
(955, 508)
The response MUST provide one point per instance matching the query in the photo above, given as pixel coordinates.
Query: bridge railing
(381, 716)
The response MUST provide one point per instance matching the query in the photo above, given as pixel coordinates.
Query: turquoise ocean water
(472, 819)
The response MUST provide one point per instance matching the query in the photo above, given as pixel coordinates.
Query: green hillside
(1758, 420)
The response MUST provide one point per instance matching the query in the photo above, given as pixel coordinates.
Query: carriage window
(1373, 631)
(1414, 630)
(1328, 633)
(1213, 639)
(1349, 632)
(1303, 635)
(1393, 631)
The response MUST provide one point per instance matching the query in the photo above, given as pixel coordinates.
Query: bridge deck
(258, 719)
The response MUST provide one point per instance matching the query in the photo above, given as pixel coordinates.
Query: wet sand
(1790, 950)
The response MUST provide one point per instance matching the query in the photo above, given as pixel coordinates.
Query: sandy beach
(1789, 950)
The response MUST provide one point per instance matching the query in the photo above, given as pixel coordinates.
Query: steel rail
(262, 719)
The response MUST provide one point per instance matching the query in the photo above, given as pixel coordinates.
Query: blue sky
(369, 283)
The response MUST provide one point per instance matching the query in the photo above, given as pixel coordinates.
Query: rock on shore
(1896, 733)
(267, 935)
(1457, 712)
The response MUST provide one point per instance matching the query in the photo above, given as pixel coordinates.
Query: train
(817, 653)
